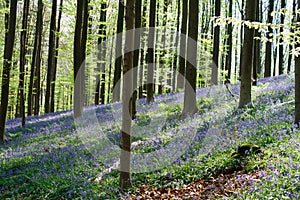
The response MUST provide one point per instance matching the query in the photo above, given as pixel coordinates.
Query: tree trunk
(229, 43)
(35, 63)
(256, 63)
(292, 31)
(125, 181)
(51, 59)
(141, 68)
(297, 79)
(247, 56)
(100, 80)
(23, 60)
(8, 52)
(182, 57)
(190, 103)
(103, 32)
(281, 55)
(80, 38)
(137, 38)
(150, 53)
(55, 59)
(269, 44)
(216, 47)
(176, 46)
(118, 63)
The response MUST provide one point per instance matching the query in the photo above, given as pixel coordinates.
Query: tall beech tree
(80, 38)
(268, 56)
(297, 75)
(125, 182)
(247, 56)
(257, 46)
(118, 63)
(216, 47)
(100, 80)
(190, 103)
(23, 60)
(150, 52)
(181, 67)
(51, 57)
(229, 42)
(176, 45)
(34, 82)
(7, 62)
(281, 55)
(56, 57)
(137, 44)
(103, 38)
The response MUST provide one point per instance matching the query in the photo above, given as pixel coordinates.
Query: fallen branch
(231, 92)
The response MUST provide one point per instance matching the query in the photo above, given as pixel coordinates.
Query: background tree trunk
(8, 52)
(51, 57)
(190, 103)
(150, 53)
(216, 47)
(268, 57)
(297, 79)
(182, 58)
(118, 63)
(247, 57)
(23, 60)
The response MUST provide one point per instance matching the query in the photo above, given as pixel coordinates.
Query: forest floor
(57, 157)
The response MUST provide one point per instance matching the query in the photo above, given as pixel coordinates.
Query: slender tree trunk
(118, 63)
(141, 68)
(137, 38)
(269, 44)
(55, 59)
(8, 52)
(229, 43)
(51, 57)
(183, 38)
(297, 79)
(256, 63)
(247, 57)
(23, 60)
(150, 53)
(291, 45)
(100, 80)
(281, 56)
(125, 181)
(216, 47)
(80, 38)
(176, 46)
(103, 77)
(190, 103)
(32, 93)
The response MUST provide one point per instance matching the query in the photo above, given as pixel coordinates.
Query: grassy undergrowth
(48, 160)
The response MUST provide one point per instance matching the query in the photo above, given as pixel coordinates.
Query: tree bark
(216, 47)
(229, 43)
(247, 56)
(52, 106)
(8, 52)
(125, 181)
(35, 63)
(103, 32)
(182, 58)
(150, 53)
(297, 78)
(190, 103)
(281, 55)
(23, 60)
(268, 56)
(118, 63)
(51, 57)
(80, 38)
(176, 47)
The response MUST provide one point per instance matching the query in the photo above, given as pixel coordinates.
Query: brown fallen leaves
(222, 186)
